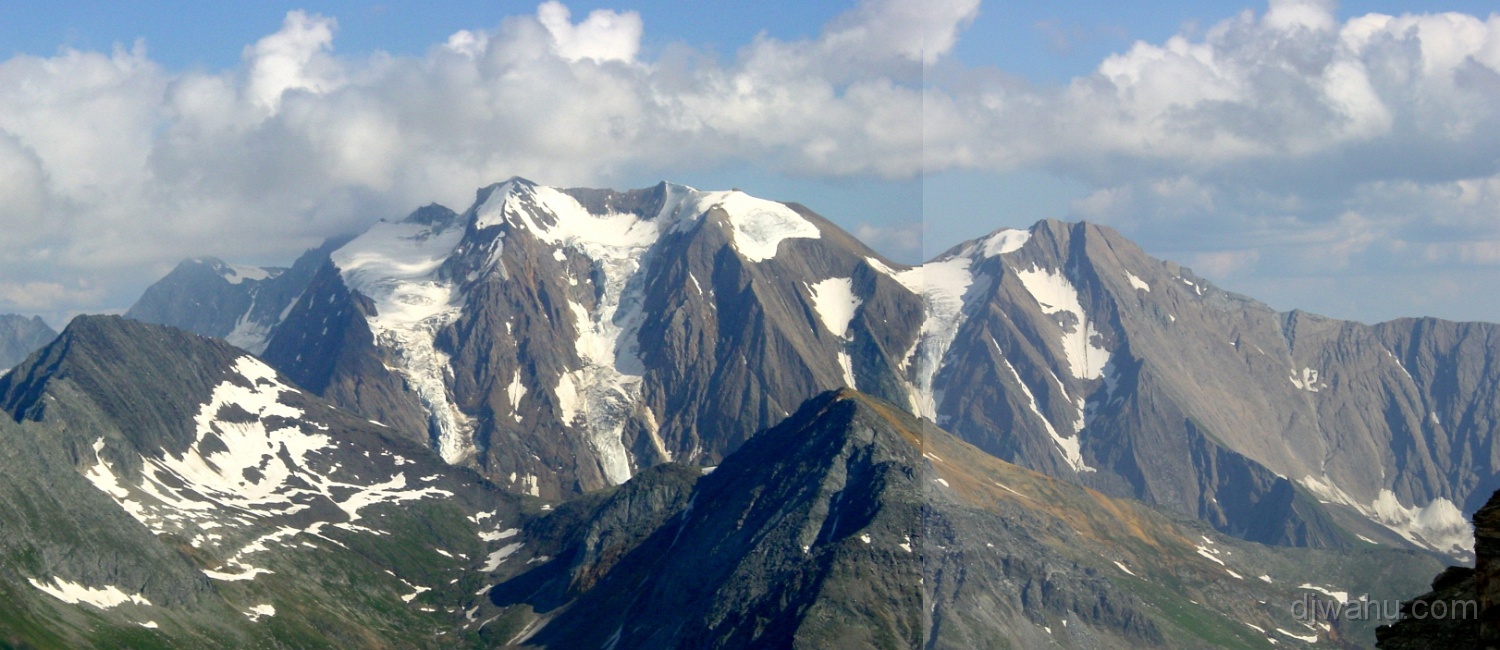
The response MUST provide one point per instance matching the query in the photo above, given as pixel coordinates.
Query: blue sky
(1044, 41)
(1316, 158)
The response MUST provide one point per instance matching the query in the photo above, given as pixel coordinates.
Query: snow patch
(235, 274)
(1005, 241)
(1308, 380)
(250, 335)
(835, 303)
(72, 593)
(1057, 295)
(515, 391)
(498, 557)
(495, 537)
(1137, 282)
(260, 611)
(846, 365)
(1210, 554)
(1312, 638)
(1341, 596)
(759, 226)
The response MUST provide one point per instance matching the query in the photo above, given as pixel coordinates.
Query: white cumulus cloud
(114, 168)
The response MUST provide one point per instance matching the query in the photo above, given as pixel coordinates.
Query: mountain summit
(562, 340)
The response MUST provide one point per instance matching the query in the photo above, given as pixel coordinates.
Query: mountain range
(675, 418)
(560, 340)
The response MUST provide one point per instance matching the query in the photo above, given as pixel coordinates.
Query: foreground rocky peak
(853, 524)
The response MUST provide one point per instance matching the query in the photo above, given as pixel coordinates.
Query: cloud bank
(1277, 143)
(1277, 149)
(115, 167)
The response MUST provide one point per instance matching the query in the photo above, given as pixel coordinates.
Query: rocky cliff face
(19, 337)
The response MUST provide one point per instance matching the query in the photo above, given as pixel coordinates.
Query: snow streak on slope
(1057, 296)
(1070, 447)
(945, 285)
(396, 265)
(253, 463)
